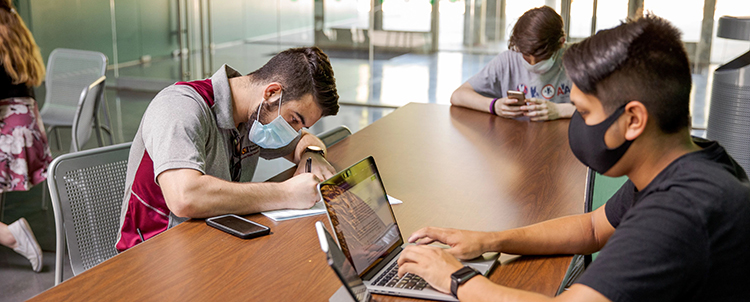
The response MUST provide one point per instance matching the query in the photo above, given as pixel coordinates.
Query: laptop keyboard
(408, 281)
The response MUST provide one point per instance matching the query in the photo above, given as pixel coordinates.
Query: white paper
(318, 208)
(394, 200)
(281, 215)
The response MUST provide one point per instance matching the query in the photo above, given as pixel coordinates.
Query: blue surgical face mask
(276, 134)
(541, 66)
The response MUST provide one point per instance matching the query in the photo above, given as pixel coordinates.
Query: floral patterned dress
(24, 152)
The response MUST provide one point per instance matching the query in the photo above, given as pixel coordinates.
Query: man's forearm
(191, 194)
(565, 235)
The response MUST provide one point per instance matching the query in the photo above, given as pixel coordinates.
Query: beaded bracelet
(492, 106)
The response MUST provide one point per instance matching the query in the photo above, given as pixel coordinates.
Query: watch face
(465, 273)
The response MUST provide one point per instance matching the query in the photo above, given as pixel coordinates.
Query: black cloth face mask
(587, 142)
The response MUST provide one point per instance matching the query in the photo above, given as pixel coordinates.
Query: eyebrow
(302, 119)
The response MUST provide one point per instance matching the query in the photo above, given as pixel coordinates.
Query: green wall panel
(158, 27)
(227, 22)
(78, 24)
(127, 15)
(149, 27)
(260, 17)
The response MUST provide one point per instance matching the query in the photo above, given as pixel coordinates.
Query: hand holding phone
(518, 96)
(238, 226)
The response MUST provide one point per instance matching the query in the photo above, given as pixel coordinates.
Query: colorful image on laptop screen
(359, 210)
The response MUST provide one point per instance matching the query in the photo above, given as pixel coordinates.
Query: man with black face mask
(677, 230)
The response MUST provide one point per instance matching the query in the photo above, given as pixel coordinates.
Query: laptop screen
(361, 215)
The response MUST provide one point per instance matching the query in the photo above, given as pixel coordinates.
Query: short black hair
(302, 71)
(642, 59)
(537, 32)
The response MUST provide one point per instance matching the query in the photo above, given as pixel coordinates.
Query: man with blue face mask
(532, 66)
(677, 230)
(199, 142)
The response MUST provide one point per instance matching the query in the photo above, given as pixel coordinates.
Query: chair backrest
(600, 188)
(69, 71)
(334, 135)
(86, 189)
(83, 121)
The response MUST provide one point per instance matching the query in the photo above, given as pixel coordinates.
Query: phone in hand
(238, 226)
(518, 96)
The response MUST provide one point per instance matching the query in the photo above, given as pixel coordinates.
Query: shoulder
(177, 106)
(176, 99)
(704, 177)
(700, 189)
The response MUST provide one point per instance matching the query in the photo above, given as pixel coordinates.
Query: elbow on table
(183, 202)
(456, 98)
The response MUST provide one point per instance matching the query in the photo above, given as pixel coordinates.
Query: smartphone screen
(238, 224)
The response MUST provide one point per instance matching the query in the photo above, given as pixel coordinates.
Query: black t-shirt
(8, 90)
(684, 237)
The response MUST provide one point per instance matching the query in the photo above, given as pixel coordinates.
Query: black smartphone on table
(238, 226)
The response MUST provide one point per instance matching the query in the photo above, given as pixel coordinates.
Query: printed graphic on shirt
(547, 91)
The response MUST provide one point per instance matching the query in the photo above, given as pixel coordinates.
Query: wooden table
(452, 167)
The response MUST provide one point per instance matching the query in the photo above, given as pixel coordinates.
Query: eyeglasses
(236, 166)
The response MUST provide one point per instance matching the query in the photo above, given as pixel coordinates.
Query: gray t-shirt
(188, 125)
(506, 72)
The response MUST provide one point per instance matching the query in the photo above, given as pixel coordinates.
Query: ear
(637, 119)
(562, 40)
(271, 89)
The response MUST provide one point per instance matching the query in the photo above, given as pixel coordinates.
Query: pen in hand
(308, 165)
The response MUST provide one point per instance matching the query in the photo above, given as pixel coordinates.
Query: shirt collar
(223, 96)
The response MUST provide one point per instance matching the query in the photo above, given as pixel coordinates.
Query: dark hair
(302, 71)
(643, 60)
(537, 32)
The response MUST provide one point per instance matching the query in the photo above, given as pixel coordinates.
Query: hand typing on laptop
(435, 264)
(432, 263)
(462, 244)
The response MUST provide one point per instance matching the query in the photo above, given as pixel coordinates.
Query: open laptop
(354, 289)
(369, 237)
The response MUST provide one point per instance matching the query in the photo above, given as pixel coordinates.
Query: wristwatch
(315, 149)
(460, 277)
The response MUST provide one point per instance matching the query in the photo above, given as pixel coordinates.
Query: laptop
(368, 235)
(353, 289)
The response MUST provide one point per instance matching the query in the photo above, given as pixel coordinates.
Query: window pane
(687, 17)
(610, 13)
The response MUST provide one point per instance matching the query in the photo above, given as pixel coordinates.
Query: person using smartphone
(532, 66)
